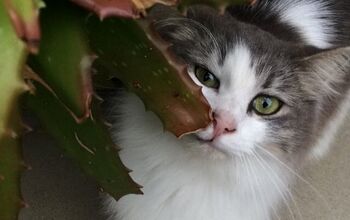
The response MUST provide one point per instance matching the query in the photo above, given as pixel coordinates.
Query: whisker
(249, 182)
(285, 200)
(252, 177)
(314, 189)
(290, 195)
(261, 165)
(262, 198)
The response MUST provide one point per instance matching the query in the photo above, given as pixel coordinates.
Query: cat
(276, 75)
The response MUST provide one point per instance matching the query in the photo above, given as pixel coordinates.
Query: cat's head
(265, 94)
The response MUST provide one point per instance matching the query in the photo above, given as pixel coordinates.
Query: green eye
(266, 105)
(206, 78)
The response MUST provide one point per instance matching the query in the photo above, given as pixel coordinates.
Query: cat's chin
(206, 148)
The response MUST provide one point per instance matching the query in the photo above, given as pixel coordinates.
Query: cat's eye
(266, 105)
(206, 77)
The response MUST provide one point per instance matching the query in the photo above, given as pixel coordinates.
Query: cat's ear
(174, 26)
(171, 25)
(327, 74)
(326, 79)
(188, 34)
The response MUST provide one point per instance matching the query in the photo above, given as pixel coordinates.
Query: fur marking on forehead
(238, 79)
(245, 75)
(238, 65)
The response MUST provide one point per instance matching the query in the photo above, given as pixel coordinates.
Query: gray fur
(312, 82)
(208, 176)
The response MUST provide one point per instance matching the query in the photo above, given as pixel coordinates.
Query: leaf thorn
(83, 145)
(23, 204)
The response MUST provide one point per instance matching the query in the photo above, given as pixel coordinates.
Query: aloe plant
(12, 60)
(61, 76)
(68, 46)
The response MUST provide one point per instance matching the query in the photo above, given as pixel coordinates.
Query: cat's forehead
(222, 33)
(236, 52)
(205, 33)
(243, 72)
(237, 69)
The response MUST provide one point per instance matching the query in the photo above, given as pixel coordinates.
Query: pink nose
(223, 123)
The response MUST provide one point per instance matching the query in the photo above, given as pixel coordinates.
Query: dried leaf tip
(26, 166)
(106, 8)
(23, 204)
(121, 8)
(26, 22)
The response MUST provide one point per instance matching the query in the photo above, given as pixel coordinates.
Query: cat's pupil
(266, 102)
(207, 77)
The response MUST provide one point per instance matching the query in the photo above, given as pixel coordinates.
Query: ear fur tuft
(327, 73)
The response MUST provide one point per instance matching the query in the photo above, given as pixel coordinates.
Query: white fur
(184, 179)
(238, 87)
(183, 184)
(312, 18)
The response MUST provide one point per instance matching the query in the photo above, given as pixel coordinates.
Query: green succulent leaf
(129, 50)
(88, 143)
(62, 99)
(124, 50)
(24, 17)
(64, 59)
(16, 20)
(11, 165)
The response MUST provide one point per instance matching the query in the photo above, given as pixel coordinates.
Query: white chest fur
(182, 182)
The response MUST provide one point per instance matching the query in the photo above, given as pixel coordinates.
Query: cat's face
(251, 109)
(265, 94)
